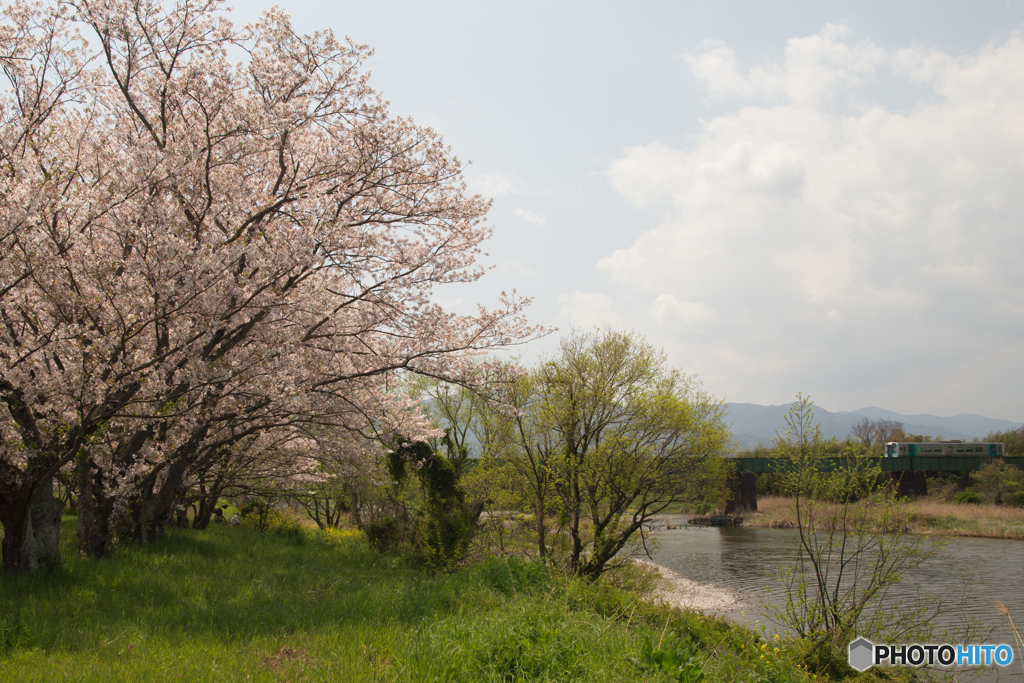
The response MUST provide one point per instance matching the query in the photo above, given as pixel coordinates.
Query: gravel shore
(686, 594)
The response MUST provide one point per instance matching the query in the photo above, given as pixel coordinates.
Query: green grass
(229, 605)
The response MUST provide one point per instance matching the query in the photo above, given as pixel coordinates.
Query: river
(747, 563)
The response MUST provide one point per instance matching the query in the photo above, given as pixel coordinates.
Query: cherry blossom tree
(195, 251)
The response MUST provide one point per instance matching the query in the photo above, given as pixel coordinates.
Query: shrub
(444, 530)
(256, 513)
(969, 497)
(998, 480)
(285, 527)
(944, 488)
(445, 522)
(335, 535)
(261, 515)
(383, 534)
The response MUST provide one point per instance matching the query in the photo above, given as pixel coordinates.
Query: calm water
(747, 562)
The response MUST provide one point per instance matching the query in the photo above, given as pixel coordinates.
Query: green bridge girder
(918, 464)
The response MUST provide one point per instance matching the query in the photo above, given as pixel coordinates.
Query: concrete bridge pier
(744, 494)
(909, 484)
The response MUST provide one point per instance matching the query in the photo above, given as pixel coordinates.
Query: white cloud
(835, 239)
(586, 310)
(530, 217)
(495, 185)
(814, 68)
(715, 64)
(666, 309)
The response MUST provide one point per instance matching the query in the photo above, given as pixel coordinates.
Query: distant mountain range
(753, 424)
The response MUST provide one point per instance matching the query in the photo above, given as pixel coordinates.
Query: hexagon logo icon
(862, 653)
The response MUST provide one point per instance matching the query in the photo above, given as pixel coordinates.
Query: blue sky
(807, 196)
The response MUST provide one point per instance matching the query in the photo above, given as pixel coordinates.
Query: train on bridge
(957, 449)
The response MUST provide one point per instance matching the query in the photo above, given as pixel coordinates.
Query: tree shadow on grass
(222, 584)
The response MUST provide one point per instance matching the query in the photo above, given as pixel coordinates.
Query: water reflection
(748, 562)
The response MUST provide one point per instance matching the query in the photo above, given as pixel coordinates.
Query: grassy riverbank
(238, 605)
(930, 516)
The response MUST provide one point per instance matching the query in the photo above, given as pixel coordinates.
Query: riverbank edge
(929, 517)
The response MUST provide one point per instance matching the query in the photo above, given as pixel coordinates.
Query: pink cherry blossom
(198, 254)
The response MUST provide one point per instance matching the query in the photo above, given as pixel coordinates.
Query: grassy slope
(234, 605)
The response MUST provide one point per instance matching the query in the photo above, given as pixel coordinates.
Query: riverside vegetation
(929, 515)
(274, 600)
(986, 503)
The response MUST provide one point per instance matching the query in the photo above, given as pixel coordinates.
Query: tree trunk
(157, 508)
(606, 546)
(542, 540)
(181, 517)
(356, 515)
(573, 502)
(32, 532)
(576, 553)
(159, 491)
(204, 510)
(42, 540)
(94, 510)
(14, 517)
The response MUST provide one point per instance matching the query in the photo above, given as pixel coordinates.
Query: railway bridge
(908, 474)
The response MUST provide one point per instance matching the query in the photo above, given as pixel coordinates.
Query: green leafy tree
(532, 449)
(592, 443)
(615, 436)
